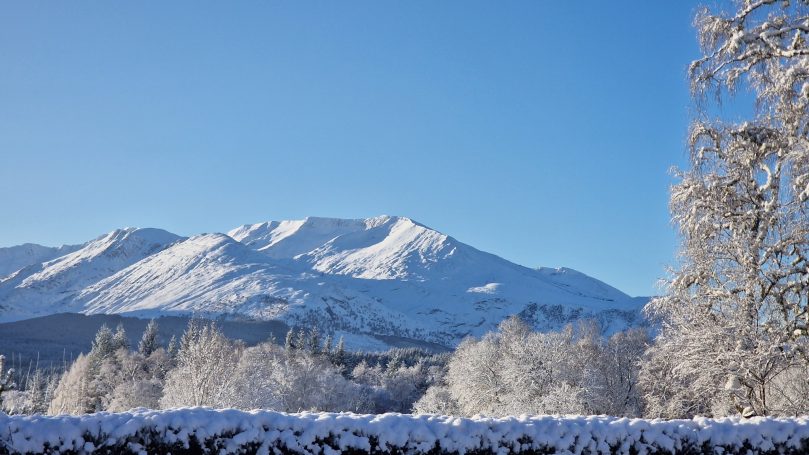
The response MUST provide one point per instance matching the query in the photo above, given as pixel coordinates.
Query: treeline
(205, 368)
(511, 371)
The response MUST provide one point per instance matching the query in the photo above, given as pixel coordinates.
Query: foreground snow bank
(195, 430)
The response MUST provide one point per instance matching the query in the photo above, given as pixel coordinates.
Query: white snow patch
(490, 288)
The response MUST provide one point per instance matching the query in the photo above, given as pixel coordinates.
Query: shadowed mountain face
(52, 340)
(384, 276)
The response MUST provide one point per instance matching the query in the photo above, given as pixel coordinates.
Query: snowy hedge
(202, 430)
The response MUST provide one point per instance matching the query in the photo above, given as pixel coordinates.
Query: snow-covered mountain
(16, 257)
(382, 276)
(50, 287)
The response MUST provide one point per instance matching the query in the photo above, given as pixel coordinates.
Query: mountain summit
(367, 278)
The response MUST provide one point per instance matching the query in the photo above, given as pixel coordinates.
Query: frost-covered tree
(437, 400)
(103, 344)
(6, 378)
(516, 371)
(301, 340)
(396, 386)
(205, 364)
(148, 342)
(87, 384)
(119, 382)
(39, 388)
(15, 402)
(272, 378)
(313, 343)
(103, 371)
(138, 393)
(734, 317)
(289, 341)
(327, 344)
(139, 380)
(339, 357)
(173, 347)
(611, 380)
(32, 396)
(119, 339)
(74, 394)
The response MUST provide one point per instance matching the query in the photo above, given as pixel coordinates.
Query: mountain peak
(382, 247)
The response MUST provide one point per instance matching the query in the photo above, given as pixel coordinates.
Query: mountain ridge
(384, 275)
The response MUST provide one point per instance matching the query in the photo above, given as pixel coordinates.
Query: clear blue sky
(540, 131)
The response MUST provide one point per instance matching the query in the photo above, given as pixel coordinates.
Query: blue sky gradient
(539, 131)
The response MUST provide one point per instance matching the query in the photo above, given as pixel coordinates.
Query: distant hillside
(52, 339)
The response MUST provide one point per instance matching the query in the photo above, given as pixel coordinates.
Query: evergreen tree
(314, 342)
(103, 345)
(289, 341)
(340, 353)
(37, 388)
(148, 342)
(173, 347)
(301, 340)
(119, 339)
(327, 345)
(395, 362)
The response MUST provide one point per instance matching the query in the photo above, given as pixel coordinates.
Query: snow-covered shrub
(33, 395)
(201, 430)
(16, 402)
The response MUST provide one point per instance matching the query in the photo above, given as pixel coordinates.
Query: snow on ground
(361, 342)
(231, 430)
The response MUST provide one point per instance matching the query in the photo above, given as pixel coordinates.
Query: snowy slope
(212, 274)
(430, 276)
(287, 239)
(383, 275)
(380, 248)
(398, 248)
(49, 287)
(16, 257)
